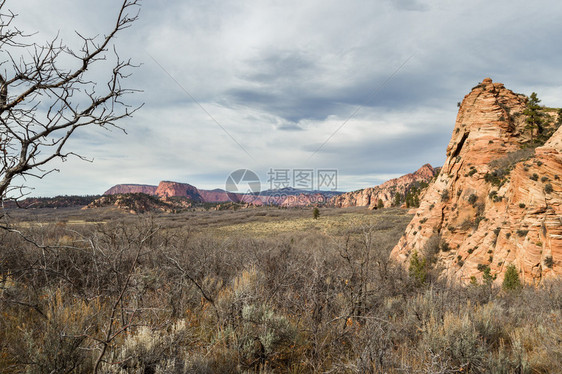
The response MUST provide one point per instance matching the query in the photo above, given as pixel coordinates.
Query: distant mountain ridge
(131, 188)
(284, 196)
(288, 196)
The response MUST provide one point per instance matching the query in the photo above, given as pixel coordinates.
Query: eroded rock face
(215, 196)
(494, 203)
(135, 203)
(386, 191)
(171, 189)
(131, 188)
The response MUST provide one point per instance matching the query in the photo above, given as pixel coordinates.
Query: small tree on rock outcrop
(418, 269)
(534, 118)
(511, 281)
(397, 199)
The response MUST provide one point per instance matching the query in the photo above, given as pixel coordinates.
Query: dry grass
(331, 224)
(255, 291)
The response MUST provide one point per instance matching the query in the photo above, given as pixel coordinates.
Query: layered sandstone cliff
(285, 197)
(497, 200)
(131, 188)
(385, 192)
(174, 189)
(215, 196)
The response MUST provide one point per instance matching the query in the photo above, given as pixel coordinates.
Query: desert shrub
(487, 276)
(315, 213)
(398, 198)
(548, 188)
(548, 261)
(199, 301)
(472, 199)
(457, 341)
(431, 249)
(51, 337)
(146, 350)
(418, 269)
(511, 281)
(502, 167)
(522, 233)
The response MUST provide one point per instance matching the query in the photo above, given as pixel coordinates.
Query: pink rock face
(215, 196)
(131, 188)
(171, 189)
(385, 192)
(494, 203)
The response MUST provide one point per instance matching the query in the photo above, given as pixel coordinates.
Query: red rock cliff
(495, 202)
(171, 189)
(131, 188)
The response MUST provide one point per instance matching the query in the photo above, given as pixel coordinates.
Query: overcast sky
(268, 84)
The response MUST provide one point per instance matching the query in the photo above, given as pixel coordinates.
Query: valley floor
(263, 290)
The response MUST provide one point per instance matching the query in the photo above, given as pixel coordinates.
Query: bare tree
(47, 93)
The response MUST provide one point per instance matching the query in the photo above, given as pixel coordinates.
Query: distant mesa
(166, 189)
(131, 188)
(286, 197)
(174, 189)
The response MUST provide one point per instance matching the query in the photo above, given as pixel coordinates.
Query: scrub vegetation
(263, 290)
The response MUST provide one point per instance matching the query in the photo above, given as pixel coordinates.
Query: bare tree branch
(45, 99)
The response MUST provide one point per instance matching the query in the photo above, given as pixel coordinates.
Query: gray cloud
(282, 77)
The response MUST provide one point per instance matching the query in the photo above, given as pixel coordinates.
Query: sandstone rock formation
(174, 189)
(214, 196)
(386, 191)
(140, 203)
(170, 189)
(496, 201)
(131, 188)
(285, 197)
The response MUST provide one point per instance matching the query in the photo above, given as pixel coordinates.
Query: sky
(367, 88)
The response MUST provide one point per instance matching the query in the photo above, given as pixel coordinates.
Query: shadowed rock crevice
(459, 146)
